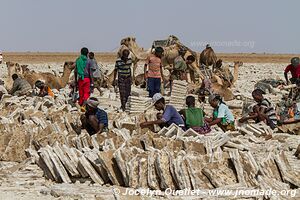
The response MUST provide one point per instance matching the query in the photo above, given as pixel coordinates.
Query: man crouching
(94, 120)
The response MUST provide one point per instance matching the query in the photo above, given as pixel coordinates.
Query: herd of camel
(206, 67)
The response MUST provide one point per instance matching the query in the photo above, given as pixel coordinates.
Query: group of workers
(192, 117)
(95, 120)
(196, 119)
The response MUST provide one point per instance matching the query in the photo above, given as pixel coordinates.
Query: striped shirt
(154, 64)
(123, 67)
(269, 110)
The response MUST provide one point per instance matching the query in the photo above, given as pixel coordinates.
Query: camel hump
(69, 63)
(239, 63)
(126, 40)
(24, 68)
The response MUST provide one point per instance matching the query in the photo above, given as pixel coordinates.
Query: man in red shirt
(294, 68)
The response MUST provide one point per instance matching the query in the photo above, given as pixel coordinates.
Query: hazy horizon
(231, 26)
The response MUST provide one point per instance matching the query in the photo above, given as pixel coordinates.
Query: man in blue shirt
(169, 116)
(94, 120)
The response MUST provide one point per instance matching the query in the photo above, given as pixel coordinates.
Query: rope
(113, 50)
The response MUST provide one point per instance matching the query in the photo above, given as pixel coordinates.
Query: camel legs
(213, 67)
(133, 72)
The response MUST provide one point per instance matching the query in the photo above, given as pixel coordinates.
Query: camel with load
(221, 77)
(136, 53)
(170, 46)
(208, 57)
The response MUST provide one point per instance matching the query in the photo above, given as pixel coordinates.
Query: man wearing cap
(94, 120)
(294, 68)
(2, 89)
(169, 116)
(155, 72)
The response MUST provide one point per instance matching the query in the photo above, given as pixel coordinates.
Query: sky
(231, 26)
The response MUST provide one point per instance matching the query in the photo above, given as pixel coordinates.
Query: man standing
(123, 69)
(155, 72)
(83, 76)
(190, 76)
(20, 86)
(96, 71)
(294, 68)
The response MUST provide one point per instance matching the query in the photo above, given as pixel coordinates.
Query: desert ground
(25, 180)
(31, 57)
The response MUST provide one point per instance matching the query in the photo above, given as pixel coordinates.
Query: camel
(31, 76)
(224, 73)
(136, 53)
(12, 68)
(223, 80)
(108, 79)
(208, 57)
(50, 79)
(170, 53)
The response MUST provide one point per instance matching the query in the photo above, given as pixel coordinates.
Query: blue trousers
(153, 86)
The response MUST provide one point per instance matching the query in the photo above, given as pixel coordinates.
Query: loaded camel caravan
(100, 159)
(222, 80)
(170, 46)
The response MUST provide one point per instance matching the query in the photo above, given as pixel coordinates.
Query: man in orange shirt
(44, 89)
(155, 73)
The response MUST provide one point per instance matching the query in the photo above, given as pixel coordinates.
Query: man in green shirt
(194, 117)
(180, 67)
